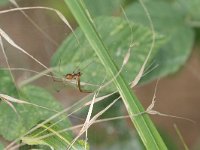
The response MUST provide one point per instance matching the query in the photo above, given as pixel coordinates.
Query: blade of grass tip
(87, 121)
(60, 15)
(86, 124)
(143, 124)
(90, 109)
(151, 106)
(34, 23)
(180, 137)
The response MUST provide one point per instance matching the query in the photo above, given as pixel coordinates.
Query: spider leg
(79, 85)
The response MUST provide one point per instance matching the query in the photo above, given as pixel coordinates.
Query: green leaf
(1, 146)
(6, 84)
(117, 36)
(192, 9)
(4, 2)
(49, 135)
(168, 18)
(13, 125)
(103, 7)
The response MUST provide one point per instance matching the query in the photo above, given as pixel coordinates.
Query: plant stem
(143, 123)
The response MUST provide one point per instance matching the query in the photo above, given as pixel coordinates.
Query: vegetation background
(178, 89)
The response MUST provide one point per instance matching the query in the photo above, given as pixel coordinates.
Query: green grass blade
(143, 124)
(48, 135)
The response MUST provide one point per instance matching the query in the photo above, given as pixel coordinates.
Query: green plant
(114, 49)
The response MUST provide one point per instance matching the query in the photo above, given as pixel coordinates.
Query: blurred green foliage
(117, 35)
(175, 20)
(55, 139)
(169, 18)
(1, 146)
(4, 2)
(27, 115)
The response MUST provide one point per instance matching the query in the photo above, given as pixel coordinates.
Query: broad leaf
(13, 125)
(4, 2)
(117, 36)
(1, 146)
(103, 7)
(168, 18)
(6, 84)
(192, 9)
